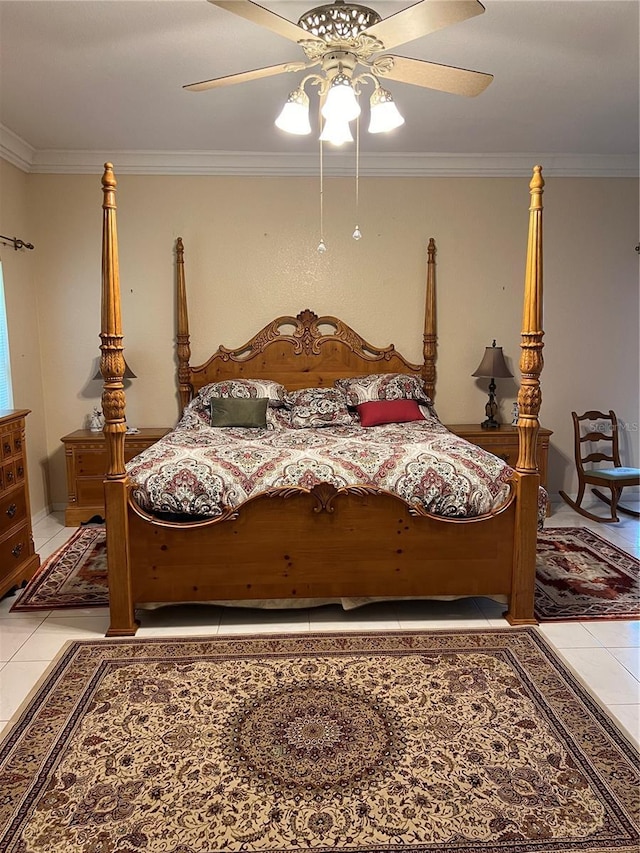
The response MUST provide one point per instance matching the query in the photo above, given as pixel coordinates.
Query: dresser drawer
(13, 509)
(90, 491)
(8, 477)
(16, 548)
(90, 463)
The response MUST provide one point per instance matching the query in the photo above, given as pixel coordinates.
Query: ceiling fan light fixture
(294, 117)
(341, 104)
(384, 115)
(336, 132)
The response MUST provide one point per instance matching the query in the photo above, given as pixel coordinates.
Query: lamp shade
(385, 115)
(128, 373)
(493, 364)
(336, 132)
(341, 103)
(294, 117)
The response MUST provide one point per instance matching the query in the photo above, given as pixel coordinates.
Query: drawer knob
(12, 510)
(20, 471)
(7, 447)
(18, 443)
(17, 550)
(9, 476)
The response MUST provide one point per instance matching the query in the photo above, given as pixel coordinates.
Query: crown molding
(25, 157)
(16, 150)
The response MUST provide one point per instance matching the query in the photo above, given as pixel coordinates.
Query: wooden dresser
(18, 560)
(503, 442)
(86, 456)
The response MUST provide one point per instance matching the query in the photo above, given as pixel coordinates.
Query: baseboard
(39, 516)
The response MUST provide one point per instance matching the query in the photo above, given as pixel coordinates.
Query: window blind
(6, 393)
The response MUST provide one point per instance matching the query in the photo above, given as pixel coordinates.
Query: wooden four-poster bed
(321, 540)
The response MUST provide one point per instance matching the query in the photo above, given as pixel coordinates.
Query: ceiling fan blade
(444, 78)
(264, 17)
(422, 18)
(243, 77)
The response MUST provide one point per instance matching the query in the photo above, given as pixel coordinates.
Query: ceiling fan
(340, 36)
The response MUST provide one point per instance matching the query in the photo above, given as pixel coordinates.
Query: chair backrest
(602, 430)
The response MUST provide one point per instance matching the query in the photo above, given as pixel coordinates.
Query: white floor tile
(605, 676)
(568, 635)
(629, 717)
(616, 633)
(16, 681)
(371, 617)
(50, 637)
(53, 543)
(629, 658)
(15, 631)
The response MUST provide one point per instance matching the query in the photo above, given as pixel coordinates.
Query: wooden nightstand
(18, 560)
(86, 457)
(503, 442)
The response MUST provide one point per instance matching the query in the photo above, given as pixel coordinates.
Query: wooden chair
(614, 476)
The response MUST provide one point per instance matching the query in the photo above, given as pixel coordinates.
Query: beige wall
(21, 287)
(251, 255)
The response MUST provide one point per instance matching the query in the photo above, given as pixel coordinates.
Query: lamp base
(490, 423)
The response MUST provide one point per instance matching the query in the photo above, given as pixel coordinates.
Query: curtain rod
(15, 242)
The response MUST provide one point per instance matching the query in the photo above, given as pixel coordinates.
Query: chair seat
(615, 473)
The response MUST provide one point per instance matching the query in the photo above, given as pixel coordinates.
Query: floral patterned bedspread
(199, 471)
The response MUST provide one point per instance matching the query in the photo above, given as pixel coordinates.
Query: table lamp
(492, 365)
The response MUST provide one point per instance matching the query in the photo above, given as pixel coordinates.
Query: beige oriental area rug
(452, 741)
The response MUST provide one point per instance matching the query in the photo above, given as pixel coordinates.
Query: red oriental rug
(580, 576)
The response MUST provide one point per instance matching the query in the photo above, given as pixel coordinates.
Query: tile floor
(605, 654)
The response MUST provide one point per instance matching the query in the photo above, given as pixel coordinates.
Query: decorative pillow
(389, 412)
(239, 412)
(278, 418)
(318, 407)
(243, 388)
(383, 386)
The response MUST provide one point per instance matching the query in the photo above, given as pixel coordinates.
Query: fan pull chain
(322, 246)
(357, 234)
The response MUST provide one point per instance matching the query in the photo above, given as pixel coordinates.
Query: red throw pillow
(389, 412)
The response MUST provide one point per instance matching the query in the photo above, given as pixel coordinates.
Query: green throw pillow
(239, 412)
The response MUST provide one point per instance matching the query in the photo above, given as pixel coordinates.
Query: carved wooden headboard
(302, 351)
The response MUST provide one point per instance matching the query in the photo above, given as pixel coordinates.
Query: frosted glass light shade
(294, 117)
(341, 103)
(336, 132)
(385, 115)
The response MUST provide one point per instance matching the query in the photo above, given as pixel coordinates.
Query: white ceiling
(85, 79)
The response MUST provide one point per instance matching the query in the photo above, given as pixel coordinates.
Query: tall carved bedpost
(183, 347)
(529, 400)
(531, 361)
(112, 360)
(430, 323)
(112, 368)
